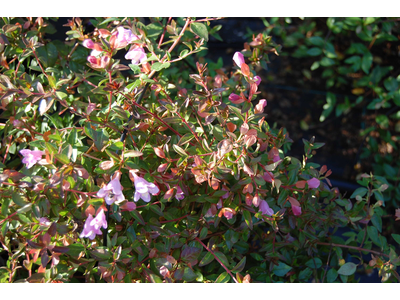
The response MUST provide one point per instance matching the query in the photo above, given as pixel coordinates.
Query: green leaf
(247, 218)
(132, 153)
(391, 84)
(305, 274)
(347, 269)
(131, 234)
(223, 278)
(206, 259)
(396, 237)
(18, 199)
(361, 191)
(314, 263)
(316, 41)
(281, 269)
(332, 275)
(373, 234)
(314, 51)
(179, 150)
(200, 29)
(328, 106)
(240, 266)
(366, 62)
(157, 66)
(75, 249)
(222, 258)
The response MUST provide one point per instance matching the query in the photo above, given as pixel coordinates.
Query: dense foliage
(127, 158)
(356, 61)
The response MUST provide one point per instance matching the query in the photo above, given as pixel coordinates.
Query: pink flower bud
(257, 79)
(88, 43)
(161, 168)
(265, 209)
(256, 200)
(238, 58)
(129, 206)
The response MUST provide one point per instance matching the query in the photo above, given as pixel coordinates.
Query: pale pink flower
(229, 213)
(238, 58)
(259, 108)
(123, 37)
(98, 62)
(179, 193)
(226, 195)
(88, 43)
(112, 192)
(129, 206)
(265, 209)
(92, 225)
(220, 204)
(257, 79)
(143, 189)
(31, 157)
(164, 272)
(136, 54)
(44, 221)
(313, 183)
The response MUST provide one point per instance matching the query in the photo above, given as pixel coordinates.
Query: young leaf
(200, 29)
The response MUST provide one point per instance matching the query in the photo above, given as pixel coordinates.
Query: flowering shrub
(162, 170)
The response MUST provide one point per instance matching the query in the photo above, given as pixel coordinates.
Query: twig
(226, 269)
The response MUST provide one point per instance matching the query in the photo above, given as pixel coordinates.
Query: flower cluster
(31, 157)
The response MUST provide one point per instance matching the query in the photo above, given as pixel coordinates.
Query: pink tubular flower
(257, 79)
(238, 58)
(259, 109)
(144, 189)
(88, 43)
(313, 183)
(227, 212)
(136, 54)
(265, 209)
(179, 193)
(92, 225)
(98, 62)
(112, 192)
(31, 157)
(123, 37)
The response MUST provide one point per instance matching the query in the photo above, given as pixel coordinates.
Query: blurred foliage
(358, 58)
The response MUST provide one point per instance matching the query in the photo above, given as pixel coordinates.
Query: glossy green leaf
(281, 269)
(200, 29)
(331, 275)
(347, 269)
(223, 278)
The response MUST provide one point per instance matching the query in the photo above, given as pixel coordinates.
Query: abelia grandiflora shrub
(149, 173)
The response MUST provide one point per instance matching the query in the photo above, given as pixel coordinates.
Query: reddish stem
(226, 269)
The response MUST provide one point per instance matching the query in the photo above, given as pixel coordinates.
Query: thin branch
(226, 269)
